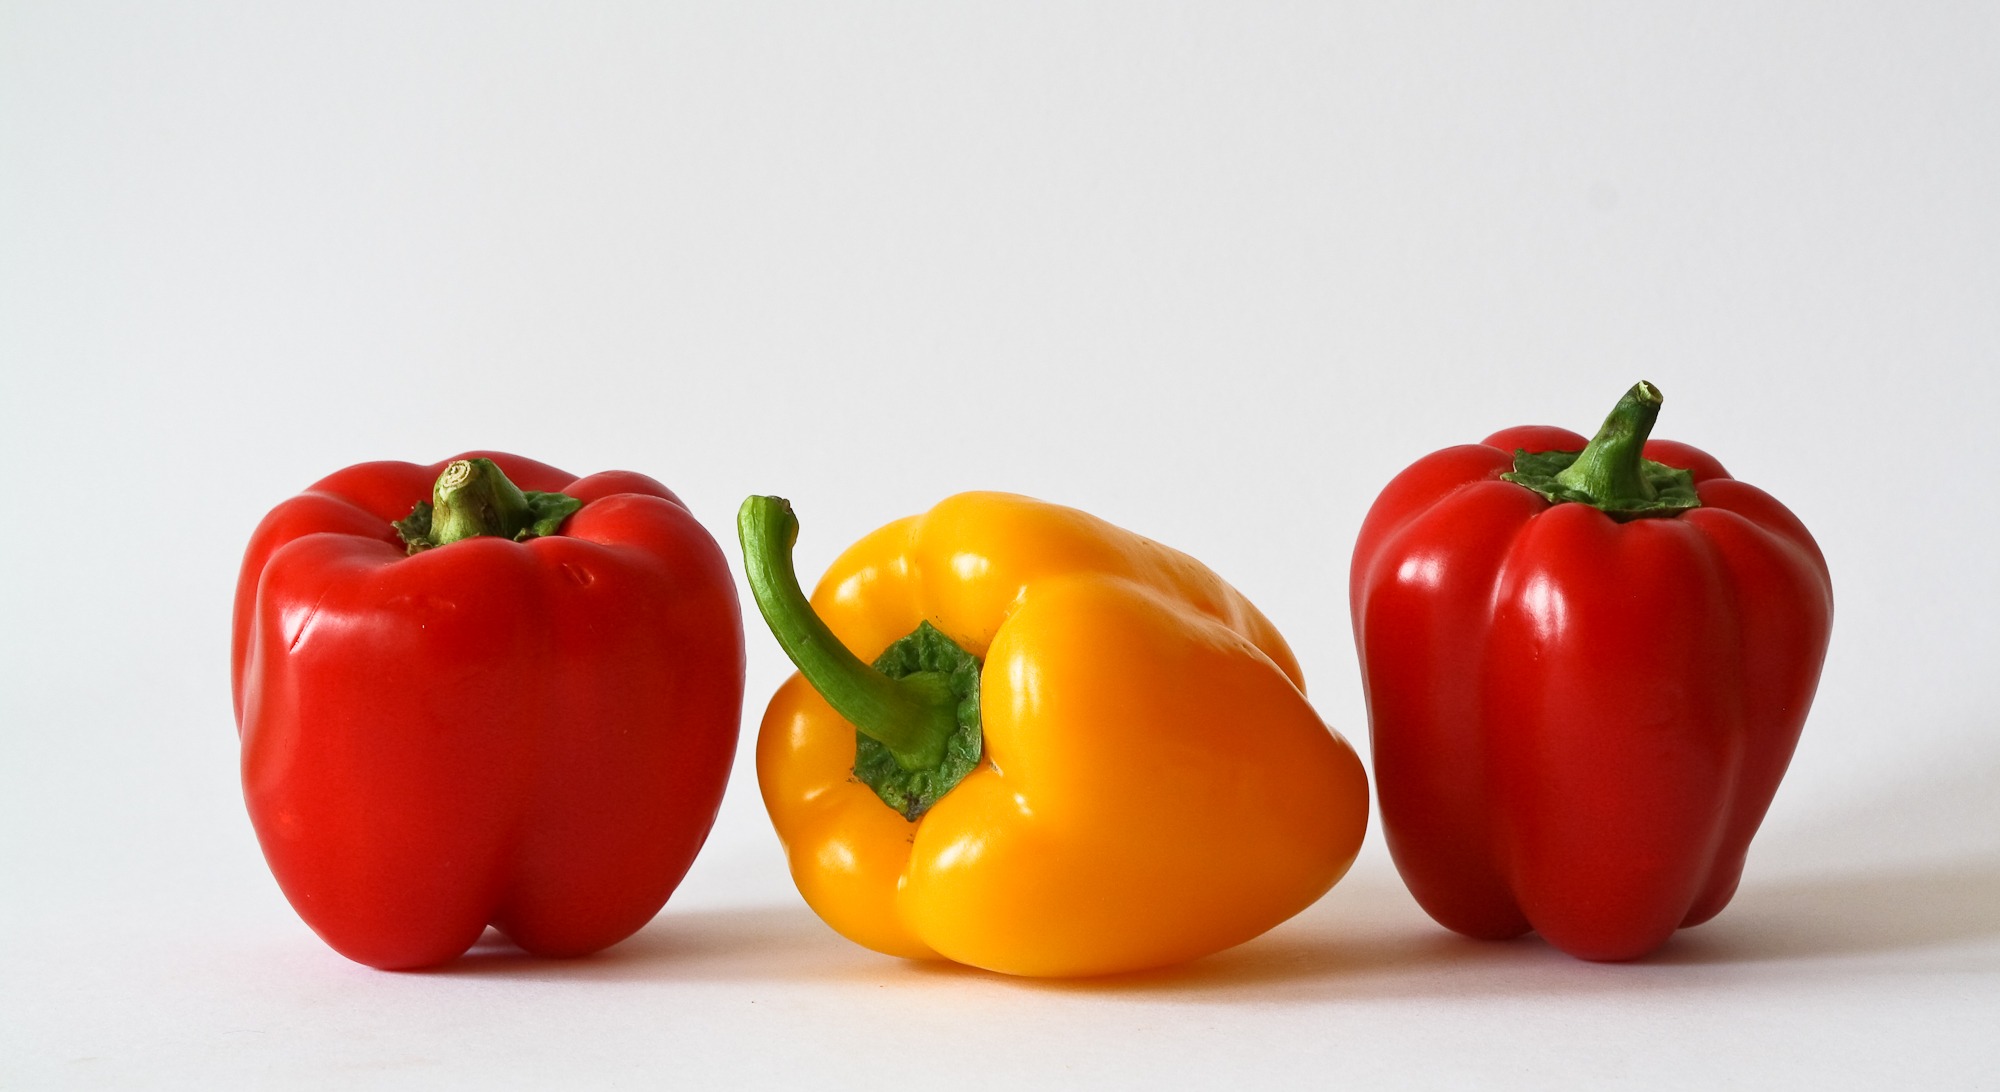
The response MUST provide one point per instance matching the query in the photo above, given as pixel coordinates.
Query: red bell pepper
(490, 712)
(1585, 674)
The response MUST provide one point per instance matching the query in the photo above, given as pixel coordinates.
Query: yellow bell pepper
(1079, 752)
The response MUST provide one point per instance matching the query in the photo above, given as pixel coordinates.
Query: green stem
(1607, 473)
(472, 498)
(914, 716)
(1612, 474)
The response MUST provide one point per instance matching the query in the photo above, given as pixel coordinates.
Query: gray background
(1213, 273)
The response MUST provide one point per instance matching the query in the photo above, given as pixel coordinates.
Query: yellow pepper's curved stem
(914, 716)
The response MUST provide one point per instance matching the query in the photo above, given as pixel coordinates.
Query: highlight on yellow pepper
(1077, 751)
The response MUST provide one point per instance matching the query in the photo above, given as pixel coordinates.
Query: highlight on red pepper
(1586, 668)
(463, 704)
(1075, 751)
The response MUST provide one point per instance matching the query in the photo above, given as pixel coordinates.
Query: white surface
(1214, 275)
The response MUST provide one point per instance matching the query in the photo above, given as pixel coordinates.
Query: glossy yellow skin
(1154, 787)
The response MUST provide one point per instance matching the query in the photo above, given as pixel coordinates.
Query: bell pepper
(1076, 751)
(462, 704)
(1586, 668)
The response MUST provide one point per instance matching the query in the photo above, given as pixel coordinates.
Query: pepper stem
(1612, 474)
(473, 498)
(914, 716)
(1607, 472)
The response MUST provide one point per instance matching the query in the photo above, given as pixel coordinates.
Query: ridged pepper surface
(1585, 676)
(448, 728)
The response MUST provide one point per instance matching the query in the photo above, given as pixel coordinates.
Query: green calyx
(915, 711)
(473, 498)
(1612, 474)
(926, 654)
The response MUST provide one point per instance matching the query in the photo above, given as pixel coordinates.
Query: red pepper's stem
(472, 498)
(1608, 472)
(1613, 474)
(914, 716)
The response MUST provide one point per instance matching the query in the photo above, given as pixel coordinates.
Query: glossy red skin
(1578, 724)
(530, 735)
